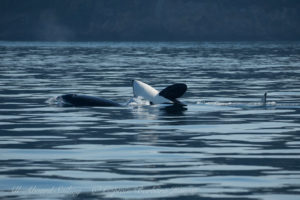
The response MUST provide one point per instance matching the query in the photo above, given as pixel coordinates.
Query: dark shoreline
(155, 20)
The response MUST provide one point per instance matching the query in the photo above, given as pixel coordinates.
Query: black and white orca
(168, 95)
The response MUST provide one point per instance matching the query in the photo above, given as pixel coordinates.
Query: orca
(168, 95)
(84, 100)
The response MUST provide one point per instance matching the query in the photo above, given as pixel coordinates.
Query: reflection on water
(225, 144)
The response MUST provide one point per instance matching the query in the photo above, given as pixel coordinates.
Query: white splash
(137, 101)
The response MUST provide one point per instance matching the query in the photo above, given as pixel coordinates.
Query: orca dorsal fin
(173, 91)
(264, 99)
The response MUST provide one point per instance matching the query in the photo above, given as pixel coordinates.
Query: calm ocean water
(225, 145)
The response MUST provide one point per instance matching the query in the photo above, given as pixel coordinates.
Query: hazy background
(155, 20)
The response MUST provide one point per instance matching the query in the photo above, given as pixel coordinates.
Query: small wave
(238, 104)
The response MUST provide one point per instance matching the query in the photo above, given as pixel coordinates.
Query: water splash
(53, 101)
(56, 101)
(137, 101)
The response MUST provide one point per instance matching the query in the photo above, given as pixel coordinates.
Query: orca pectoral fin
(174, 91)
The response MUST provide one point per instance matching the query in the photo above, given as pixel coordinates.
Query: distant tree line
(154, 20)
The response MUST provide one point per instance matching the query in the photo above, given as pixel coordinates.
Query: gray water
(225, 145)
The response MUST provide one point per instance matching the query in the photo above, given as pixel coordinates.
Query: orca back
(84, 100)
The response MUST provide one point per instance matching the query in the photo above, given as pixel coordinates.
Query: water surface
(225, 145)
